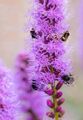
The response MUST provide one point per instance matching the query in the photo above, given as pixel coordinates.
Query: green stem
(55, 104)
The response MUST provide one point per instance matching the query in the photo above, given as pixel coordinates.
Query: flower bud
(59, 94)
(50, 104)
(50, 114)
(59, 85)
(58, 109)
(61, 101)
(62, 112)
(49, 91)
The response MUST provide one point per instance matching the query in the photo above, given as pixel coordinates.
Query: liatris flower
(49, 33)
(32, 102)
(9, 104)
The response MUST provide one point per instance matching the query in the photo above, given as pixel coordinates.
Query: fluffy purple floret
(32, 102)
(9, 103)
(49, 33)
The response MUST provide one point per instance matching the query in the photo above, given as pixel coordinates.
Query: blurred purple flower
(9, 104)
(32, 102)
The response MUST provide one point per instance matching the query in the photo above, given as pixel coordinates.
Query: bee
(68, 79)
(34, 85)
(33, 33)
(65, 36)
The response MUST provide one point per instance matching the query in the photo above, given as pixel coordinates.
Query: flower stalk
(49, 33)
(56, 102)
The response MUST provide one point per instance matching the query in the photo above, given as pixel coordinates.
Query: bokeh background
(12, 40)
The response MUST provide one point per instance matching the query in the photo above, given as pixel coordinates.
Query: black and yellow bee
(34, 85)
(65, 36)
(33, 33)
(68, 79)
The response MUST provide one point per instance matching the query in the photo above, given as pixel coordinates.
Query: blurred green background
(12, 21)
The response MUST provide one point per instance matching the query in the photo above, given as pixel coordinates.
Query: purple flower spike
(48, 48)
(31, 101)
(49, 33)
(50, 103)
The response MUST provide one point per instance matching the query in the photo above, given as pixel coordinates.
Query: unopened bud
(50, 104)
(49, 91)
(62, 112)
(61, 101)
(59, 85)
(58, 109)
(59, 94)
(50, 114)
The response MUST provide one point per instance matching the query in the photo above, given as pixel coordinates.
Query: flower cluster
(32, 102)
(49, 34)
(9, 105)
